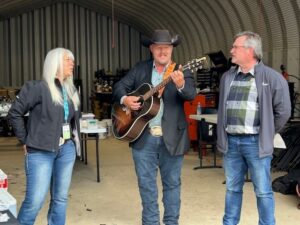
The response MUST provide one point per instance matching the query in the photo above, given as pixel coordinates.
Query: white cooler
(8, 202)
(3, 180)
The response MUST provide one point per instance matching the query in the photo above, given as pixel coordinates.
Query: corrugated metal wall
(27, 38)
(205, 26)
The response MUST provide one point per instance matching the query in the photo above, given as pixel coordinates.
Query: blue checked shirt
(155, 80)
(242, 105)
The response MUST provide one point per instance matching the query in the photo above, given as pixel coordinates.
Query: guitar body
(128, 124)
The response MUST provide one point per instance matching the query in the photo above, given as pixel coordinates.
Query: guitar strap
(169, 70)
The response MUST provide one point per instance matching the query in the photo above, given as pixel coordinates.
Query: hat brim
(176, 40)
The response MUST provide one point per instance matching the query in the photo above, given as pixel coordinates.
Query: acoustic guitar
(129, 124)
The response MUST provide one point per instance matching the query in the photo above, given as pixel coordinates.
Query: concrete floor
(115, 200)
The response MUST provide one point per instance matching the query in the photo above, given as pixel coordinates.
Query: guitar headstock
(195, 64)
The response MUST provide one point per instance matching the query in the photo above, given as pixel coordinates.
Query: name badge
(66, 131)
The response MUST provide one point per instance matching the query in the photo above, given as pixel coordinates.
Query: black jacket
(174, 124)
(44, 126)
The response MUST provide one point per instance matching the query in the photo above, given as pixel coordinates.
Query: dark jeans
(154, 155)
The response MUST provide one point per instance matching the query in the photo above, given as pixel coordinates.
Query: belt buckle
(156, 131)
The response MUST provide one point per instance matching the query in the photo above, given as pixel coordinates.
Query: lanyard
(66, 105)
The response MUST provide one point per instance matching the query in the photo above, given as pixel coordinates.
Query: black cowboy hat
(161, 37)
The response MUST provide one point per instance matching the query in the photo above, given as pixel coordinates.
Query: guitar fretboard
(152, 91)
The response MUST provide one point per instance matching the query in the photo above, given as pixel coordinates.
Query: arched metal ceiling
(205, 25)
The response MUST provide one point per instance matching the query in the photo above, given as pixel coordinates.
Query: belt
(241, 135)
(156, 131)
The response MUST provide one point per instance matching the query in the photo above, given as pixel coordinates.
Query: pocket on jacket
(182, 126)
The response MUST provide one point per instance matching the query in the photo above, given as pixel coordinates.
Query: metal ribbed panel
(220, 24)
(4, 60)
(242, 16)
(27, 39)
(85, 28)
(291, 15)
(290, 22)
(276, 31)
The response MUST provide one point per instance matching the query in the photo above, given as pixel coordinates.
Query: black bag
(287, 184)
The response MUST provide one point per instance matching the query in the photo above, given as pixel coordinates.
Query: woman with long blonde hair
(49, 136)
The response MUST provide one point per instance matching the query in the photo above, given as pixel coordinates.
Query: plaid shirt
(242, 105)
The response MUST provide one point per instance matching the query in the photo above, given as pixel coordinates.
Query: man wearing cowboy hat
(165, 140)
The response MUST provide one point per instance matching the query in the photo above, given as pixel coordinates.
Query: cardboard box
(3, 180)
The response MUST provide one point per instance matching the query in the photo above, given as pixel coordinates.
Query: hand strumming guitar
(132, 102)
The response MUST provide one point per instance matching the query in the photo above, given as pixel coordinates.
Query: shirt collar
(251, 71)
(154, 67)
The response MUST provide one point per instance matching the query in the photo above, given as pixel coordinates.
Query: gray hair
(53, 67)
(253, 40)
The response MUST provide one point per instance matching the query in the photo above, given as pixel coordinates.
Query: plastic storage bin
(8, 202)
(3, 180)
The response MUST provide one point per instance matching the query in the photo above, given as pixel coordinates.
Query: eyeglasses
(238, 46)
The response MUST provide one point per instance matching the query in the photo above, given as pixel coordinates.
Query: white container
(87, 121)
(86, 116)
(102, 124)
(199, 110)
(109, 126)
(8, 202)
(83, 124)
(3, 180)
(92, 123)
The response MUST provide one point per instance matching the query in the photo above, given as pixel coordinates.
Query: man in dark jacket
(164, 141)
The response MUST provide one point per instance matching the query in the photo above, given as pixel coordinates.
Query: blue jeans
(242, 156)
(44, 169)
(154, 155)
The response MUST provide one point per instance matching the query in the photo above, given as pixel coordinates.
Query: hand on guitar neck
(178, 78)
(132, 102)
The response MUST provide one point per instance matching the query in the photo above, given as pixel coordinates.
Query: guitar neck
(162, 84)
